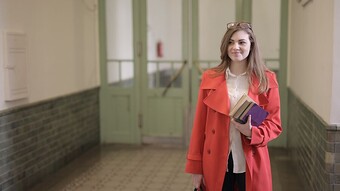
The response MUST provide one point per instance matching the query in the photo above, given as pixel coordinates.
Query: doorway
(152, 55)
(145, 79)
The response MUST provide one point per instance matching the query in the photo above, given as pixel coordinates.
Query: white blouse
(237, 85)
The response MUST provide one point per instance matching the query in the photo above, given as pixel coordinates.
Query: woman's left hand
(245, 129)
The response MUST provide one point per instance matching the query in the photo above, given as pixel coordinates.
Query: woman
(224, 154)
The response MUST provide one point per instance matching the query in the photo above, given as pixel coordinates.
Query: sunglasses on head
(239, 25)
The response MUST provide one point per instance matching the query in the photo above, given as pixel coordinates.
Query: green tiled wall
(40, 138)
(314, 147)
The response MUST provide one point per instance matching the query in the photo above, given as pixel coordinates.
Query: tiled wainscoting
(314, 146)
(40, 138)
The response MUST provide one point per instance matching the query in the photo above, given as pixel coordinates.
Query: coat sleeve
(195, 150)
(271, 127)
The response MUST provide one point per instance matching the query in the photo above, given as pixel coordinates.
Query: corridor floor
(145, 168)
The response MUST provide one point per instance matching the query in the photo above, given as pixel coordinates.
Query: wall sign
(15, 65)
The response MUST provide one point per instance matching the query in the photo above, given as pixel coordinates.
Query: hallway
(146, 168)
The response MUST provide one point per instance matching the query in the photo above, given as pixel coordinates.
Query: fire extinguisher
(159, 49)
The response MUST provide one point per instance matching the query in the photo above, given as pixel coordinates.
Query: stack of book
(244, 107)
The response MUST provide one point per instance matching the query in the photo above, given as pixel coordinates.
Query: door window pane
(120, 75)
(164, 30)
(268, 13)
(165, 73)
(120, 70)
(213, 18)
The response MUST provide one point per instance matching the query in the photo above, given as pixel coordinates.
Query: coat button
(213, 131)
(209, 151)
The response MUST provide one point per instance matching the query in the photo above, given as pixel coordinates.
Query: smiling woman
(224, 154)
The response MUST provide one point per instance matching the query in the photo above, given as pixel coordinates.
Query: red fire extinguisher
(159, 49)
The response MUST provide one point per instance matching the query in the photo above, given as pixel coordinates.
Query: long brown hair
(255, 65)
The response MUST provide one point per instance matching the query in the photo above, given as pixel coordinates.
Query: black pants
(232, 180)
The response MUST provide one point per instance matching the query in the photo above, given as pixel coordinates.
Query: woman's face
(239, 46)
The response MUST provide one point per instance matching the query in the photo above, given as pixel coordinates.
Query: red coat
(209, 144)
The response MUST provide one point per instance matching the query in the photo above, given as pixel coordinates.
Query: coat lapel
(217, 98)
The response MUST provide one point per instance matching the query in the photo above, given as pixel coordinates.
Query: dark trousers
(233, 180)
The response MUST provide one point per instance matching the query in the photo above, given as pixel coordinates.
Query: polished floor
(145, 168)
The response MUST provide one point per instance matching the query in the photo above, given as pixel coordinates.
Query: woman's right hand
(197, 180)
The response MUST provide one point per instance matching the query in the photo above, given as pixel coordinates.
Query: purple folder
(258, 115)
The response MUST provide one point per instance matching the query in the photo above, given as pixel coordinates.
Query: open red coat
(209, 144)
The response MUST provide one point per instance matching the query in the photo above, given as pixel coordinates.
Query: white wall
(311, 60)
(335, 106)
(62, 44)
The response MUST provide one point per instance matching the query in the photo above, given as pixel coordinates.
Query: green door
(144, 72)
(165, 73)
(119, 73)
